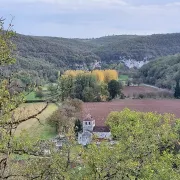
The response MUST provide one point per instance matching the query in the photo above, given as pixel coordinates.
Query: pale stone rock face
(131, 63)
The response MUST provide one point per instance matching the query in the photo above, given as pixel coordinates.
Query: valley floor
(100, 111)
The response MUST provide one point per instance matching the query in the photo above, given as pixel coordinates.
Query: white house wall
(103, 135)
(88, 125)
(84, 138)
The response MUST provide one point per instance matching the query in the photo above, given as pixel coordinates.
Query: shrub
(122, 96)
(154, 95)
(39, 94)
(140, 96)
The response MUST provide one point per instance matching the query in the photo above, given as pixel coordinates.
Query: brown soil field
(100, 111)
(130, 90)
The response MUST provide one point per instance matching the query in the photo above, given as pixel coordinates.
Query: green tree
(177, 90)
(88, 94)
(86, 87)
(37, 165)
(78, 127)
(146, 144)
(11, 145)
(7, 47)
(39, 94)
(144, 149)
(64, 118)
(114, 88)
(104, 91)
(52, 88)
(65, 87)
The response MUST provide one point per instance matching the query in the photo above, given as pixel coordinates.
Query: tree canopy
(162, 72)
(47, 55)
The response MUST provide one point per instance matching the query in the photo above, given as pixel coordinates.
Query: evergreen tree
(78, 127)
(177, 90)
(114, 88)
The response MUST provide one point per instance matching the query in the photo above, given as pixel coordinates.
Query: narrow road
(161, 89)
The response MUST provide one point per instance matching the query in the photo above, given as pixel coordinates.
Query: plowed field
(130, 90)
(100, 111)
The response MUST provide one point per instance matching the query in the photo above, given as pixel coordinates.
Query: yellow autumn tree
(99, 75)
(70, 73)
(110, 75)
(74, 73)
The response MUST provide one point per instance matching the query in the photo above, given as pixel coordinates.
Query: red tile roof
(101, 129)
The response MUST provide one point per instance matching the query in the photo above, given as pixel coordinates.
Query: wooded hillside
(139, 48)
(48, 55)
(161, 72)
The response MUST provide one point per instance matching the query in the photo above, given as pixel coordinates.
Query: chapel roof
(101, 129)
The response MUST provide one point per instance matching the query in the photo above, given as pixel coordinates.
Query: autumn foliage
(101, 75)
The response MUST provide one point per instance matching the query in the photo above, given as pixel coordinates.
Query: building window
(89, 123)
(86, 123)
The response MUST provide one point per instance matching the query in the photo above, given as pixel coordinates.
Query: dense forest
(39, 59)
(161, 72)
(108, 50)
(140, 48)
(43, 57)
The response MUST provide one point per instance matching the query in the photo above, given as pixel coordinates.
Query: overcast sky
(92, 18)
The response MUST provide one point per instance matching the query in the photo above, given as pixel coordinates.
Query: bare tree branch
(28, 118)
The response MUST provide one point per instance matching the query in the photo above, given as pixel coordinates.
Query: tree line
(101, 75)
(47, 55)
(88, 86)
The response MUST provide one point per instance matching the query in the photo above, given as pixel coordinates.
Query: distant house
(90, 129)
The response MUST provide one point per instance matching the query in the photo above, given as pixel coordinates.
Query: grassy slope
(32, 95)
(43, 131)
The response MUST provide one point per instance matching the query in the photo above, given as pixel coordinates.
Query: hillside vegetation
(138, 48)
(42, 57)
(161, 72)
(62, 51)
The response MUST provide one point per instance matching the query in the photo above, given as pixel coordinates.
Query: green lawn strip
(32, 97)
(123, 77)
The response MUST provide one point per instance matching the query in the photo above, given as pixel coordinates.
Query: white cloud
(88, 18)
(120, 2)
(173, 4)
(71, 4)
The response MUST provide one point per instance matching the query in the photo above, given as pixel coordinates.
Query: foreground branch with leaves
(10, 145)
